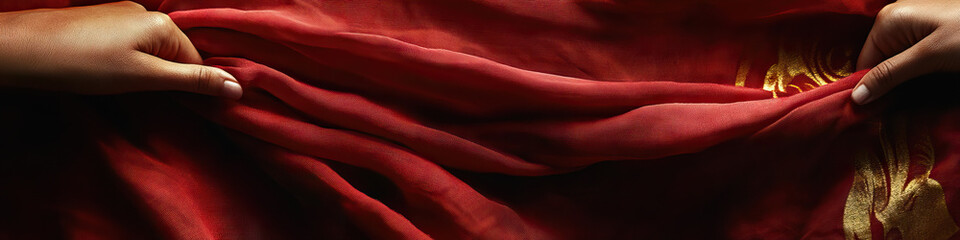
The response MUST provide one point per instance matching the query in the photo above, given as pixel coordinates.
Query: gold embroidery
(742, 72)
(906, 202)
(794, 61)
(817, 67)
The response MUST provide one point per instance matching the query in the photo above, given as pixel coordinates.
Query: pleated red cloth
(582, 119)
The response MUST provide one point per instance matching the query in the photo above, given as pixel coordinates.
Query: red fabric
(487, 119)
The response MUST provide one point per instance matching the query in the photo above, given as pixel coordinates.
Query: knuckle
(204, 82)
(137, 6)
(158, 19)
(200, 83)
(896, 12)
(885, 11)
(161, 23)
(131, 4)
(883, 74)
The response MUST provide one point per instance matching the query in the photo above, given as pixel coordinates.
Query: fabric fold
(485, 119)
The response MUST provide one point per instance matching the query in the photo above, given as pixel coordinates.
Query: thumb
(167, 75)
(910, 63)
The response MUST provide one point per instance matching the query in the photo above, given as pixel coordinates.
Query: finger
(126, 5)
(167, 75)
(188, 53)
(892, 32)
(909, 64)
(171, 43)
(118, 8)
(870, 54)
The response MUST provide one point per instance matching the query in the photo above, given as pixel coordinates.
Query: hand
(910, 38)
(104, 49)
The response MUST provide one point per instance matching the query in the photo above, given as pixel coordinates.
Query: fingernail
(231, 90)
(861, 95)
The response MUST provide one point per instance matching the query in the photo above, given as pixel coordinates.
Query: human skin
(104, 49)
(909, 39)
(120, 47)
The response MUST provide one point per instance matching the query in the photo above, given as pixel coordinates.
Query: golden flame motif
(892, 183)
(801, 67)
(906, 202)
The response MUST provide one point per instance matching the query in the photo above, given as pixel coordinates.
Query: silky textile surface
(581, 119)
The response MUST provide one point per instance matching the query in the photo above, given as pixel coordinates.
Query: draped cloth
(580, 119)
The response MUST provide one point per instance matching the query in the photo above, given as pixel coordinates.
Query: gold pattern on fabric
(893, 186)
(742, 72)
(808, 61)
(802, 65)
